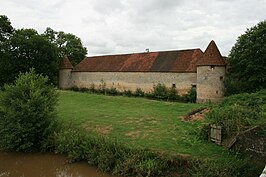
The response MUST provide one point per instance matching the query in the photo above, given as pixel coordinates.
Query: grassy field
(138, 122)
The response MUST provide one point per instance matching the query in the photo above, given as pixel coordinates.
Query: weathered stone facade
(210, 83)
(178, 69)
(133, 80)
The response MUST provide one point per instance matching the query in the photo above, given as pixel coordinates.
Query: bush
(139, 92)
(27, 113)
(191, 96)
(128, 93)
(112, 91)
(112, 156)
(160, 91)
(239, 112)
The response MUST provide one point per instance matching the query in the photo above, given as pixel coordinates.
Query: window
(173, 86)
(221, 78)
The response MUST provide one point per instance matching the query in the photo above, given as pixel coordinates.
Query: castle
(181, 69)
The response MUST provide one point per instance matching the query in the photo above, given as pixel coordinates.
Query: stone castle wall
(64, 81)
(132, 80)
(210, 83)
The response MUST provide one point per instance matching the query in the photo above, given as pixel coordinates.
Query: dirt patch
(139, 134)
(98, 129)
(104, 130)
(195, 115)
(141, 120)
(133, 134)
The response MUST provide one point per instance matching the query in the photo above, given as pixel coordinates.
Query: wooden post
(216, 134)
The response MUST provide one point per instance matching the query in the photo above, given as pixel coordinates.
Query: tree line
(22, 49)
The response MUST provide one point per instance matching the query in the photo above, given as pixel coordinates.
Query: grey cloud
(121, 26)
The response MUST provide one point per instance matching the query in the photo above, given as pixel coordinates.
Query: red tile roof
(65, 64)
(167, 61)
(211, 56)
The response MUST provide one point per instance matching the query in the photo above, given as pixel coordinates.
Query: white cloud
(122, 26)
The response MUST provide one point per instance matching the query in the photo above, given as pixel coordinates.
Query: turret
(65, 70)
(210, 75)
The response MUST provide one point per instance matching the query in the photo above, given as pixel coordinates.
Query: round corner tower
(65, 70)
(210, 75)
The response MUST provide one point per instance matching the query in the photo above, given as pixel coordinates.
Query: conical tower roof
(211, 56)
(65, 63)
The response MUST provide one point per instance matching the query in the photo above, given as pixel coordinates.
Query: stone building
(181, 69)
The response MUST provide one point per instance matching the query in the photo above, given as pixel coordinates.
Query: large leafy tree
(28, 49)
(6, 31)
(247, 61)
(67, 44)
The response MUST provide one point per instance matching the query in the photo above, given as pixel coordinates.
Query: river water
(43, 165)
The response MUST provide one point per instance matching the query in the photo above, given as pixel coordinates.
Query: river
(43, 165)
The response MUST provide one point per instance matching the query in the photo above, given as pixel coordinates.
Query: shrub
(27, 116)
(239, 112)
(160, 91)
(139, 92)
(172, 94)
(112, 91)
(191, 96)
(128, 93)
(112, 156)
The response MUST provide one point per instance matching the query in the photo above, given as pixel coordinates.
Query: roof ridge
(123, 54)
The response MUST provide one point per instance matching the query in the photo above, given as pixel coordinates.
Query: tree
(28, 49)
(67, 44)
(27, 113)
(247, 61)
(6, 30)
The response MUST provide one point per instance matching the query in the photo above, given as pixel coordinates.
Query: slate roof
(65, 63)
(212, 56)
(166, 61)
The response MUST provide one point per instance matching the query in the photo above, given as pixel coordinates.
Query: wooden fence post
(216, 134)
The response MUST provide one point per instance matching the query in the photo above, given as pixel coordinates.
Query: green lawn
(137, 122)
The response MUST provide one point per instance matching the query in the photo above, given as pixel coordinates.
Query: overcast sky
(131, 26)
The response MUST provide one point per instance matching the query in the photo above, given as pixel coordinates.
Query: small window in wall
(212, 68)
(221, 78)
(216, 91)
(173, 86)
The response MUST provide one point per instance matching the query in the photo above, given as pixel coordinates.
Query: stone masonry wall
(210, 83)
(64, 81)
(132, 80)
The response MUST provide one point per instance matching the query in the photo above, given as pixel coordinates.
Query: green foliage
(160, 91)
(239, 112)
(232, 167)
(247, 61)
(29, 49)
(191, 96)
(67, 44)
(128, 93)
(27, 116)
(139, 92)
(6, 28)
(111, 156)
